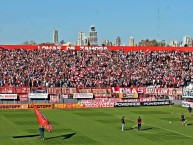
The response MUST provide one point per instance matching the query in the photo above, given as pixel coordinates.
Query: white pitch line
(155, 133)
(159, 134)
(170, 130)
(179, 108)
(162, 128)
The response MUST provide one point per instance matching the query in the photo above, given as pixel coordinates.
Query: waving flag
(42, 121)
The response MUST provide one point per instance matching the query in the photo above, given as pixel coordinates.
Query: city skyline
(26, 20)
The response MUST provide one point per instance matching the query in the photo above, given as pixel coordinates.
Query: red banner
(54, 91)
(54, 98)
(7, 90)
(68, 91)
(102, 93)
(124, 48)
(84, 90)
(128, 90)
(22, 90)
(23, 97)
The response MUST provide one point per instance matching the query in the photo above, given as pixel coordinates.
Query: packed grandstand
(95, 68)
(137, 73)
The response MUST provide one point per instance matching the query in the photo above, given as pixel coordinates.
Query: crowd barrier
(55, 95)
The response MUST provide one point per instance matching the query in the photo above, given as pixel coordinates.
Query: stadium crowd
(71, 68)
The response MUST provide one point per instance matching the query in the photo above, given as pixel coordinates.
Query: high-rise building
(131, 41)
(81, 39)
(55, 37)
(106, 43)
(186, 40)
(85, 41)
(92, 37)
(191, 42)
(173, 43)
(118, 41)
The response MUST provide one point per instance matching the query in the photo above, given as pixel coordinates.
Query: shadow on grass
(23, 136)
(129, 128)
(136, 128)
(189, 124)
(146, 129)
(66, 136)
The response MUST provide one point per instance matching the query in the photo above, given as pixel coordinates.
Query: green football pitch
(98, 127)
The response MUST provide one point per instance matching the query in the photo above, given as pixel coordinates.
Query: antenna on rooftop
(158, 11)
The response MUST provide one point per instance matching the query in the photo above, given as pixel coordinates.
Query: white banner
(186, 104)
(187, 93)
(37, 95)
(64, 96)
(83, 95)
(8, 96)
(99, 105)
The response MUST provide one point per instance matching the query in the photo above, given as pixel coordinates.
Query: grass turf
(98, 126)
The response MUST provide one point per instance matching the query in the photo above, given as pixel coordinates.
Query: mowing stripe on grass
(170, 130)
(154, 133)
(161, 128)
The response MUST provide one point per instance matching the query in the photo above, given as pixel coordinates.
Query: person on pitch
(123, 123)
(139, 121)
(42, 132)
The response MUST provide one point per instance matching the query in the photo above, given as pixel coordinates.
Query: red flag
(42, 121)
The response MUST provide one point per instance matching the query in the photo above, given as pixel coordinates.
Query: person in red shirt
(139, 121)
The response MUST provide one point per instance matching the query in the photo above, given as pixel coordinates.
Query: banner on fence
(102, 93)
(84, 90)
(156, 103)
(22, 90)
(8, 96)
(69, 91)
(69, 106)
(127, 90)
(54, 91)
(23, 97)
(54, 98)
(7, 90)
(150, 91)
(128, 96)
(64, 96)
(126, 104)
(10, 106)
(187, 104)
(187, 93)
(99, 105)
(37, 95)
(38, 90)
(39, 106)
(83, 95)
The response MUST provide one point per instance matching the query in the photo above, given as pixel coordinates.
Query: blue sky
(25, 20)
